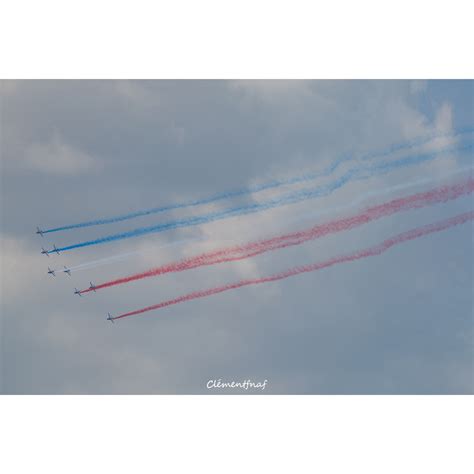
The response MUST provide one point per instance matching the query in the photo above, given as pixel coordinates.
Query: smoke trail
(356, 173)
(353, 203)
(380, 192)
(263, 186)
(123, 256)
(352, 257)
(102, 261)
(414, 201)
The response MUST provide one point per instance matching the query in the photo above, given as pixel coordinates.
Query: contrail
(358, 255)
(319, 212)
(379, 192)
(123, 256)
(356, 173)
(264, 186)
(252, 249)
(102, 261)
(353, 203)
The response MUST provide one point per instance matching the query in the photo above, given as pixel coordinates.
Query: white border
(236, 39)
(233, 434)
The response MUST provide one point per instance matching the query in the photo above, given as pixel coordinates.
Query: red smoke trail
(240, 252)
(369, 252)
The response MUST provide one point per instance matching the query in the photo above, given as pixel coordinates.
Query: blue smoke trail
(263, 186)
(356, 173)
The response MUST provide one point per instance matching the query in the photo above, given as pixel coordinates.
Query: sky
(399, 323)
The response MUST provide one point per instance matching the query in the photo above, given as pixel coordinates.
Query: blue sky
(80, 150)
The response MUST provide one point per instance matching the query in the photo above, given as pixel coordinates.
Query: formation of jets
(47, 252)
(51, 272)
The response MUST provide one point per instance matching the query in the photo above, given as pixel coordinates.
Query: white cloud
(20, 268)
(58, 157)
(444, 118)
